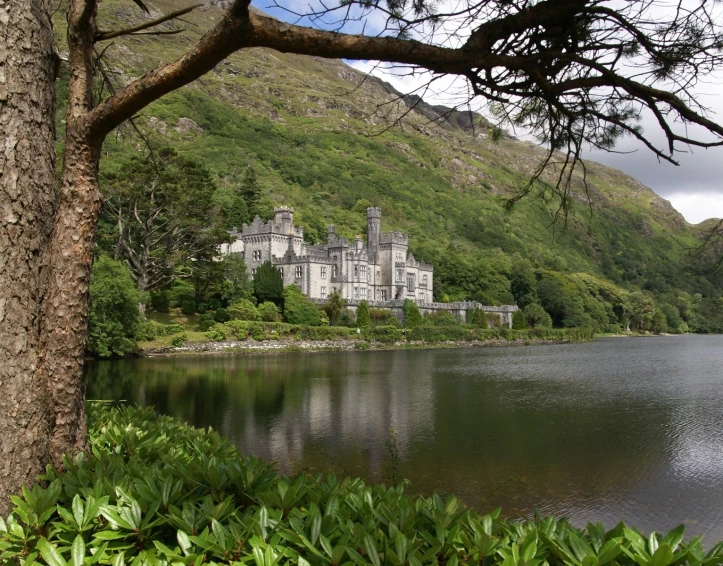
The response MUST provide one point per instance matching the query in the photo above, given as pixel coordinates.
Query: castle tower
(374, 227)
(284, 217)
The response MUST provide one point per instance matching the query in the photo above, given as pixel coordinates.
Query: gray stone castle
(380, 269)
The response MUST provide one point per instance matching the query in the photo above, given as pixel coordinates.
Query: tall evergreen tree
(268, 284)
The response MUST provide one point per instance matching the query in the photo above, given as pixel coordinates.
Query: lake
(614, 429)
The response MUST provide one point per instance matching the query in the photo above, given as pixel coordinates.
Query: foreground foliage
(153, 490)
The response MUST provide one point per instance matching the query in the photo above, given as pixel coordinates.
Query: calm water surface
(616, 429)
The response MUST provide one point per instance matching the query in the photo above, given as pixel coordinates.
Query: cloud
(696, 207)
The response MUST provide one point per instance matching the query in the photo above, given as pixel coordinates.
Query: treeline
(165, 215)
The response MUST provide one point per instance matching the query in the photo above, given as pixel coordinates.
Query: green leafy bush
(113, 317)
(298, 309)
(217, 333)
(221, 315)
(412, 316)
(383, 334)
(160, 301)
(536, 316)
(178, 341)
(188, 308)
(148, 330)
(205, 322)
(201, 308)
(180, 292)
(441, 318)
(518, 321)
(346, 318)
(269, 312)
(152, 490)
(243, 309)
(173, 328)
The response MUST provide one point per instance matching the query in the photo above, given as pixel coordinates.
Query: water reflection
(615, 429)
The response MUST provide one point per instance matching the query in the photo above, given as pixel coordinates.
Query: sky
(695, 187)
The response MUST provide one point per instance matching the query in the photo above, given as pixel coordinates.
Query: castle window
(424, 280)
(369, 294)
(410, 282)
(323, 272)
(334, 271)
(382, 295)
(356, 292)
(323, 292)
(257, 255)
(356, 272)
(253, 273)
(299, 271)
(399, 257)
(378, 275)
(400, 275)
(363, 270)
(281, 269)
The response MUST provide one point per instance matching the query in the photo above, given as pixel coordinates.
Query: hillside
(328, 141)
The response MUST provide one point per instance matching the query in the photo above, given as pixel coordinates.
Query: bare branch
(106, 35)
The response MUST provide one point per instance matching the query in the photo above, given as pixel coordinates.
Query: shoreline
(282, 346)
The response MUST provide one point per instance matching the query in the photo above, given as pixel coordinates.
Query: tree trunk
(65, 308)
(27, 209)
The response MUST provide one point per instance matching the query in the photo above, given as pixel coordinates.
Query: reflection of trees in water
(289, 408)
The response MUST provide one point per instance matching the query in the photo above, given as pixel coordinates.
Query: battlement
(374, 212)
(394, 238)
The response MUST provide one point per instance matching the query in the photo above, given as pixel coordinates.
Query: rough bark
(70, 251)
(27, 207)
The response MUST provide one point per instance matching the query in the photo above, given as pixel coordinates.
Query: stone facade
(380, 269)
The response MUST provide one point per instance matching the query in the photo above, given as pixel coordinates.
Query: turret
(284, 217)
(374, 226)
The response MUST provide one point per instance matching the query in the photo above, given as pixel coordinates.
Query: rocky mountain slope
(328, 140)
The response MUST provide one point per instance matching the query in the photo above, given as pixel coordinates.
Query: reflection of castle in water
(342, 417)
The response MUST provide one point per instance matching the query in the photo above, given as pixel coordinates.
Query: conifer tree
(268, 284)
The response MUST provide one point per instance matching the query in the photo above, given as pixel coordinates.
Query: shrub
(243, 309)
(384, 334)
(479, 318)
(160, 301)
(188, 308)
(240, 328)
(217, 333)
(412, 316)
(441, 318)
(178, 341)
(172, 328)
(363, 318)
(536, 316)
(221, 315)
(113, 317)
(201, 308)
(346, 318)
(269, 312)
(205, 322)
(298, 309)
(179, 292)
(187, 495)
(381, 317)
(147, 330)
(518, 321)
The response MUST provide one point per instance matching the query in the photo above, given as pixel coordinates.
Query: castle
(382, 269)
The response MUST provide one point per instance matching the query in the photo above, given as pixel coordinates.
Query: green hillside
(325, 141)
